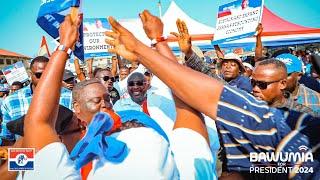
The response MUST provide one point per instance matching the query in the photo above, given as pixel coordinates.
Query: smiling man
(138, 94)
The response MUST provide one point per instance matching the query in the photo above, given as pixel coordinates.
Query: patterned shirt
(197, 64)
(247, 125)
(308, 97)
(291, 104)
(17, 105)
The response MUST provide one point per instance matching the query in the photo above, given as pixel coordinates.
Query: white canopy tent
(197, 30)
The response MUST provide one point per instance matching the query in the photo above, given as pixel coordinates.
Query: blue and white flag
(51, 15)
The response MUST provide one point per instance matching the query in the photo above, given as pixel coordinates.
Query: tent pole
(160, 9)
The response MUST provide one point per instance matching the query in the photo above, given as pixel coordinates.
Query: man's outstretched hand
(122, 40)
(152, 25)
(184, 39)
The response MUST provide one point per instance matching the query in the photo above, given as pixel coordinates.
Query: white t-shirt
(52, 163)
(161, 106)
(149, 158)
(192, 155)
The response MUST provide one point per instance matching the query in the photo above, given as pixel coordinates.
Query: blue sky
(20, 33)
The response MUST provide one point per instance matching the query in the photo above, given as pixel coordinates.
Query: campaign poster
(94, 37)
(15, 72)
(238, 19)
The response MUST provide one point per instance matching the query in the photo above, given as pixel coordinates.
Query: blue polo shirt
(242, 83)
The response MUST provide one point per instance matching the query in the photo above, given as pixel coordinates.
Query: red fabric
(144, 106)
(85, 170)
(116, 120)
(224, 13)
(45, 45)
(275, 24)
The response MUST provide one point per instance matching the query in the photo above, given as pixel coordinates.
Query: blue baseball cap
(292, 62)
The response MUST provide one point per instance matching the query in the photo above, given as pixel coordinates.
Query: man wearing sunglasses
(269, 81)
(136, 85)
(17, 104)
(69, 80)
(106, 78)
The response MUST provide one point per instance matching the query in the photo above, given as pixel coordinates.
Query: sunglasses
(106, 78)
(70, 81)
(262, 84)
(38, 75)
(135, 83)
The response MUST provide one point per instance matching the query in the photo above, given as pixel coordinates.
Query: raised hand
(259, 30)
(3, 153)
(69, 31)
(152, 25)
(184, 39)
(118, 48)
(122, 40)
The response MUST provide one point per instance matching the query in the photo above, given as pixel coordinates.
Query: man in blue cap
(300, 93)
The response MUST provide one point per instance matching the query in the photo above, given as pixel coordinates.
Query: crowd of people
(163, 118)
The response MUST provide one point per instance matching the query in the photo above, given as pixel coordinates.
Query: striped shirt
(247, 125)
(17, 105)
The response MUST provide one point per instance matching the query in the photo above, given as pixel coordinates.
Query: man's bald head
(269, 80)
(273, 66)
(136, 77)
(136, 85)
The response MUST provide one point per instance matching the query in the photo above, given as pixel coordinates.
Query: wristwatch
(155, 41)
(61, 47)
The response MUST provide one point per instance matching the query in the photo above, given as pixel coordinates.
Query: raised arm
(219, 52)
(120, 62)
(39, 124)
(186, 116)
(190, 86)
(192, 60)
(258, 50)
(90, 63)
(79, 73)
(114, 65)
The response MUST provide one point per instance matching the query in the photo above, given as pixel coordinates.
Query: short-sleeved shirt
(247, 125)
(149, 157)
(193, 157)
(52, 163)
(17, 104)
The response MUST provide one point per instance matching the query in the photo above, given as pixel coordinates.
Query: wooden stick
(74, 13)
